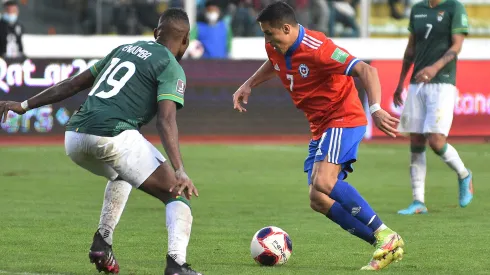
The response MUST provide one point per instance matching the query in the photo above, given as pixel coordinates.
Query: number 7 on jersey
(291, 81)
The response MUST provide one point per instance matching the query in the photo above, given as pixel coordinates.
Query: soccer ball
(271, 246)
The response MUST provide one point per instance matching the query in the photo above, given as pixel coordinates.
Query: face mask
(9, 18)
(212, 17)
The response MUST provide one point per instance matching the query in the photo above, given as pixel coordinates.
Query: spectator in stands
(343, 12)
(11, 31)
(395, 13)
(243, 23)
(320, 15)
(213, 33)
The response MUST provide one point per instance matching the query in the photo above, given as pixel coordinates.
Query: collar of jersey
(427, 2)
(296, 44)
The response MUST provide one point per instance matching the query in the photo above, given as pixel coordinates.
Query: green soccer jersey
(432, 29)
(129, 83)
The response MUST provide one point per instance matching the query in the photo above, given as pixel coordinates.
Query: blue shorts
(337, 146)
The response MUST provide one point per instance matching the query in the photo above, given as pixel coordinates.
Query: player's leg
(418, 170)
(412, 123)
(337, 150)
(145, 168)
(79, 148)
(440, 111)
(115, 198)
(323, 204)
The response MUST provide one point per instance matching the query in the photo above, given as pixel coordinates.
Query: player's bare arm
(169, 135)
(61, 91)
(408, 59)
(263, 74)
(370, 80)
(427, 73)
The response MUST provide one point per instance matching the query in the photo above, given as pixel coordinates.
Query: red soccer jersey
(316, 72)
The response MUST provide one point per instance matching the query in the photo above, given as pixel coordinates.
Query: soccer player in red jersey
(318, 76)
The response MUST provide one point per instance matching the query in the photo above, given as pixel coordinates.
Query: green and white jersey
(129, 83)
(432, 29)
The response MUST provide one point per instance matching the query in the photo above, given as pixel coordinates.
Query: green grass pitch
(49, 209)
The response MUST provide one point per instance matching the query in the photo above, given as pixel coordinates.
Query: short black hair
(277, 14)
(174, 23)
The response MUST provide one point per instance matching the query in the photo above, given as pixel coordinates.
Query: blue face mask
(9, 18)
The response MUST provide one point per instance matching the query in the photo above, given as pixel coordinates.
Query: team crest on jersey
(180, 86)
(304, 71)
(440, 16)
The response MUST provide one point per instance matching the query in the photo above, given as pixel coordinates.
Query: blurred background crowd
(217, 20)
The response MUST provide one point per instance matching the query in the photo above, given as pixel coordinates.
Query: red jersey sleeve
(334, 59)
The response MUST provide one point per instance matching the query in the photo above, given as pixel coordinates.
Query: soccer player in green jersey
(130, 86)
(437, 30)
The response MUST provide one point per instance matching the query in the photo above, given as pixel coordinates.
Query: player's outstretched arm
(370, 80)
(62, 90)
(263, 74)
(408, 59)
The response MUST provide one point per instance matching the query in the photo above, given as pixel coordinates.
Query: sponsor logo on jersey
(304, 70)
(180, 86)
(420, 16)
(440, 16)
(276, 67)
(339, 55)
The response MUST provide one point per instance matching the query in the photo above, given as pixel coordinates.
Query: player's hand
(6, 106)
(385, 122)
(426, 74)
(241, 95)
(184, 184)
(397, 96)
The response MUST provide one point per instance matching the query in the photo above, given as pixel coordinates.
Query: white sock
(380, 228)
(115, 197)
(179, 223)
(418, 169)
(452, 159)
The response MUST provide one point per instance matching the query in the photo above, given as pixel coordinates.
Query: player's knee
(436, 142)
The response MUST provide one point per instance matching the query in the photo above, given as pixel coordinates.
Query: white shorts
(430, 110)
(128, 155)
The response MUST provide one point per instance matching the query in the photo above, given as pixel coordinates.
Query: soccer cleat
(387, 240)
(102, 256)
(417, 207)
(394, 256)
(173, 268)
(466, 190)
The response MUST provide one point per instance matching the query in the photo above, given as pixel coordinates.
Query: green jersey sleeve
(172, 84)
(459, 20)
(99, 66)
